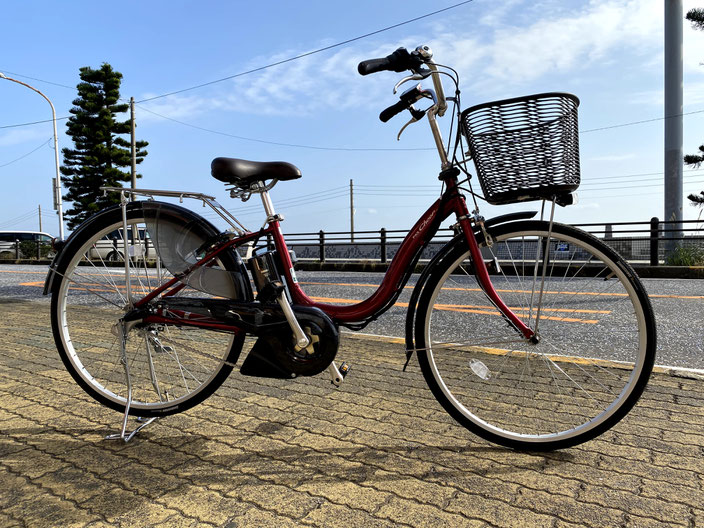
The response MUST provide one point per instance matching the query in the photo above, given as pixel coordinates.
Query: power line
(640, 122)
(336, 192)
(630, 175)
(23, 214)
(251, 211)
(25, 155)
(293, 145)
(633, 186)
(34, 122)
(367, 149)
(362, 185)
(40, 80)
(388, 190)
(333, 193)
(396, 193)
(18, 219)
(293, 203)
(307, 54)
(624, 179)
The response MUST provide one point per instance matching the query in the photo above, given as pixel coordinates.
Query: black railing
(653, 243)
(25, 250)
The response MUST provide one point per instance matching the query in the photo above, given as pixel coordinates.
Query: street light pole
(674, 21)
(56, 187)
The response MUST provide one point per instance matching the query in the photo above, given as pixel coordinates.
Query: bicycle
(530, 333)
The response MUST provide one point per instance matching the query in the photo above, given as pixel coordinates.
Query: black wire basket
(526, 148)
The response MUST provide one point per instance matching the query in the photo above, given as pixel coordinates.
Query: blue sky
(607, 52)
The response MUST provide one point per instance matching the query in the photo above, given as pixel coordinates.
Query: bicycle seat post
(302, 340)
(267, 203)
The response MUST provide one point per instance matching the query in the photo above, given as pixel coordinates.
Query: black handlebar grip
(400, 60)
(373, 65)
(391, 111)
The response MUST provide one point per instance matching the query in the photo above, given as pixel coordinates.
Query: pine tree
(99, 152)
(696, 17)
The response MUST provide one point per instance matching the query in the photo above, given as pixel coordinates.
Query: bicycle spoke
(559, 389)
(166, 375)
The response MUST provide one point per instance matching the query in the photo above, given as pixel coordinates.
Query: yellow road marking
(576, 360)
(460, 308)
(464, 309)
(364, 285)
(652, 296)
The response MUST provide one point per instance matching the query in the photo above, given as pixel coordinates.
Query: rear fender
(63, 244)
(78, 237)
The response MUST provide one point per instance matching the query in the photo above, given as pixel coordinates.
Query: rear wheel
(596, 334)
(171, 368)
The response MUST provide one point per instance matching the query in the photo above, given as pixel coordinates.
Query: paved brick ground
(377, 452)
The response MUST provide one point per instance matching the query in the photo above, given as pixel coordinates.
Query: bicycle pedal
(344, 369)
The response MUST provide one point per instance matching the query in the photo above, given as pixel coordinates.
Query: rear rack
(210, 201)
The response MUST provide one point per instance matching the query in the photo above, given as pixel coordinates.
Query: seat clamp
(275, 218)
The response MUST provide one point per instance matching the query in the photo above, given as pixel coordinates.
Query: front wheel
(596, 332)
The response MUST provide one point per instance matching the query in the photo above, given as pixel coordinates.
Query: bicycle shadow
(213, 459)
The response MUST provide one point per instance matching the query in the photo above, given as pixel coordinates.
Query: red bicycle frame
(451, 202)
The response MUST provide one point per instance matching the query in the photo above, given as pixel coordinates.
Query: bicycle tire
(171, 368)
(596, 348)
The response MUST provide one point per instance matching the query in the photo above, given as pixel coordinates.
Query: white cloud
(305, 86)
(569, 42)
(24, 135)
(175, 107)
(693, 96)
(501, 53)
(515, 43)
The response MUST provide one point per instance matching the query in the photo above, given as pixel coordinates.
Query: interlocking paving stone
(377, 452)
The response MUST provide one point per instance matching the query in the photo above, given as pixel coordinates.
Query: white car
(25, 244)
(111, 248)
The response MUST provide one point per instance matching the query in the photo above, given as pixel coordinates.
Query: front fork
(482, 273)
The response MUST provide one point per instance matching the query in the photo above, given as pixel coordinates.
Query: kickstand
(128, 435)
(124, 434)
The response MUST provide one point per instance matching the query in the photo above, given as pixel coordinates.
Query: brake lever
(422, 74)
(417, 116)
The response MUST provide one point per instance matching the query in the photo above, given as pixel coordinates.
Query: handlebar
(406, 101)
(402, 60)
(392, 110)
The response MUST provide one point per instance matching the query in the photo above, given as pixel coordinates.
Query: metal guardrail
(650, 242)
(25, 249)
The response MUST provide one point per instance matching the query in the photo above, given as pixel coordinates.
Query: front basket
(525, 148)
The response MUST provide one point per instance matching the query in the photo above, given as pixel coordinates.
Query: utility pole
(134, 147)
(351, 210)
(135, 231)
(673, 120)
(40, 217)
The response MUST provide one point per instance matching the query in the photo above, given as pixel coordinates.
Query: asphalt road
(678, 305)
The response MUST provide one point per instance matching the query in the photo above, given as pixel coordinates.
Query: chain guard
(275, 355)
